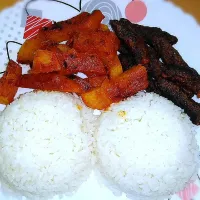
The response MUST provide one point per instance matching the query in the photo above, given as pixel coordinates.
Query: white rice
(45, 148)
(146, 147)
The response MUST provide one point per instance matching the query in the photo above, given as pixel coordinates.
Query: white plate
(160, 13)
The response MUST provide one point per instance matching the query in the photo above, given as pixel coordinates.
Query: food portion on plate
(46, 149)
(144, 144)
(91, 49)
(169, 75)
(146, 147)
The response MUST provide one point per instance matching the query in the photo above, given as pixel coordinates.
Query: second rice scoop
(45, 149)
(146, 148)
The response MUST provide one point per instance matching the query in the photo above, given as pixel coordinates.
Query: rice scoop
(44, 148)
(146, 147)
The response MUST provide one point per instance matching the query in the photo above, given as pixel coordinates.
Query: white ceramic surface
(160, 13)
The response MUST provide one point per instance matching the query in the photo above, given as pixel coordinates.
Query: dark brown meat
(178, 97)
(183, 76)
(123, 48)
(186, 91)
(127, 61)
(153, 87)
(134, 42)
(149, 32)
(169, 54)
(155, 66)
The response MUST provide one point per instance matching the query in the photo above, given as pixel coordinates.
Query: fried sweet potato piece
(84, 83)
(8, 87)
(96, 99)
(62, 31)
(62, 48)
(59, 32)
(129, 83)
(89, 64)
(78, 19)
(103, 27)
(45, 62)
(7, 92)
(126, 85)
(54, 47)
(114, 67)
(96, 81)
(27, 50)
(104, 44)
(13, 71)
(68, 63)
(49, 82)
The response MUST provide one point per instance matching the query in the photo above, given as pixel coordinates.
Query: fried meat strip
(155, 66)
(134, 42)
(178, 97)
(123, 49)
(150, 32)
(169, 54)
(184, 77)
(127, 61)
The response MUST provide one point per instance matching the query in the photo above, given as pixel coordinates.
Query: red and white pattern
(189, 192)
(33, 25)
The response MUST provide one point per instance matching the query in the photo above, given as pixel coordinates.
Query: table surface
(190, 6)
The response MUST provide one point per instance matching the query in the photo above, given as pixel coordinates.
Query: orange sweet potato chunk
(96, 81)
(45, 62)
(89, 64)
(114, 67)
(67, 63)
(54, 47)
(84, 84)
(126, 85)
(103, 27)
(103, 43)
(8, 82)
(13, 71)
(59, 32)
(49, 82)
(96, 99)
(27, 50)
(7, 92)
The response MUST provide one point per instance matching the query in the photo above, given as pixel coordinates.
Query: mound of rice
(146, 147)
(45, 149)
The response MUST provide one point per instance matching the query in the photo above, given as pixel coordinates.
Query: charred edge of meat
(189, 93)
(54, 26)
(153, 87)
(169, 55)
(186, 77)
(123, 48)
(127, 61)
(178, 97)
(155, 66)
(134, 42)
(149, 32)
